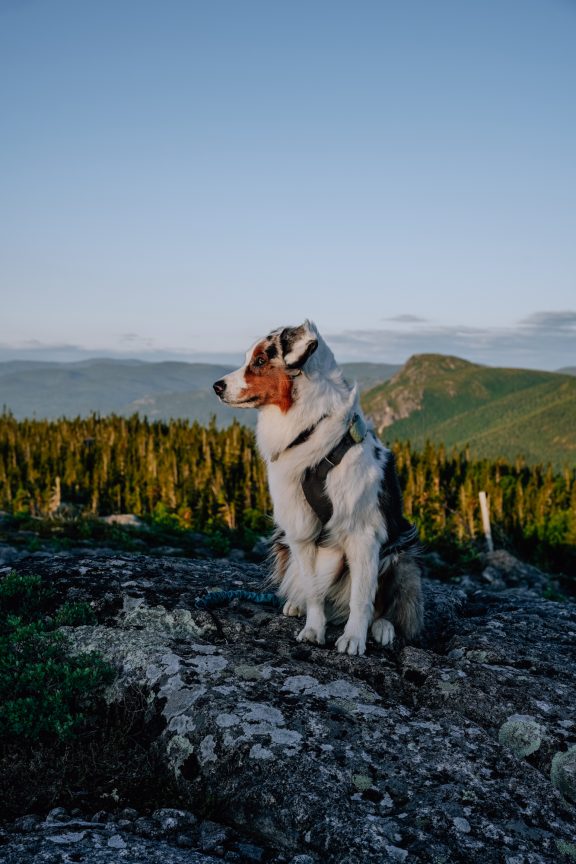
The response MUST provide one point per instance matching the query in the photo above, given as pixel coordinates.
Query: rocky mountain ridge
(498, 413)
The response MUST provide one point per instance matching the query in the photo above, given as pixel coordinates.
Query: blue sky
(177, 178)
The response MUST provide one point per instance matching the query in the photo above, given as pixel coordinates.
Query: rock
(171, 820)
(91, 847)
(503, 571)
(147, 828)
(125, 520)
(102, 816)
(212, 836)
(27, 824)
(261, 548)
(250, 852)
(67, 838)
(406, 754)
(57, 814)
(117, 842)
(10, 555)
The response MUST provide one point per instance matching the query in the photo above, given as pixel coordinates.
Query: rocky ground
(457, 749)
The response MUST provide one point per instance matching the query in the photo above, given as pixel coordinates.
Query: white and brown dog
(343, 549)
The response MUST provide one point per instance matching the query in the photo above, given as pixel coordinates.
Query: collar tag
(357, 429)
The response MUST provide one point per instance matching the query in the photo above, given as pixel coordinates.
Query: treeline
(532, 508)
(204, 476)
(207, 478)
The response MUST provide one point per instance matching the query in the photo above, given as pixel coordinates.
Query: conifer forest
(204, 478)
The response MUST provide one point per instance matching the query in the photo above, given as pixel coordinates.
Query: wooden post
(486, 520)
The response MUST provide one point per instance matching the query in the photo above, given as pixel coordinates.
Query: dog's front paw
(291, 611)
(311, 634)
(350, 643)
(383, 631)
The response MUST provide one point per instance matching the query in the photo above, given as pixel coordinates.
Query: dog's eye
(261, 360)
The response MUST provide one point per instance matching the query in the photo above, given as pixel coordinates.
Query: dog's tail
(278, 558)
(399, 596)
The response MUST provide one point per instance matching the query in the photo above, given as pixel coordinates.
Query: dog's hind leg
(362, 552)
(383, 631)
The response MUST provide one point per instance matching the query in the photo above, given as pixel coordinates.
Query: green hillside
(499, 413)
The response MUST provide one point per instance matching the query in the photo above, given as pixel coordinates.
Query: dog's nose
(219, 387)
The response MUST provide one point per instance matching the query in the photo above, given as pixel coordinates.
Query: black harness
(314, 486)
(314, 479)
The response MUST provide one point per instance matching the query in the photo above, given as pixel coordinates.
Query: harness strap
(314, 479)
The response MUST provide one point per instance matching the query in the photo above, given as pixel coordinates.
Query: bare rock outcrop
(445, 751)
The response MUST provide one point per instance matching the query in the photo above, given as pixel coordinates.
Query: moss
(563, 773)
(567, 849)
(521, 734)
(362, 782)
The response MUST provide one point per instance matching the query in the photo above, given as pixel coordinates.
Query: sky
(179, 177)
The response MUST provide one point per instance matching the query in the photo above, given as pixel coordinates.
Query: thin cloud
(33, 350)
(406, 319)
(555, 321)
(544, 340)
(136, 339)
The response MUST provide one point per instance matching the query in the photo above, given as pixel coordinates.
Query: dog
(342, 550)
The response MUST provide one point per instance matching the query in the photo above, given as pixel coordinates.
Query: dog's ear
(298, 344)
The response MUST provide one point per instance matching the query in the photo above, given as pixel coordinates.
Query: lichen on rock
(563, 773)
(522, 734)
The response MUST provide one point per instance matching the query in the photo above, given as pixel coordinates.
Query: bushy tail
(278, 558)
(399, 597)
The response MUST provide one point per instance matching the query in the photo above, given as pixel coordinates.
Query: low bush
(44, 691)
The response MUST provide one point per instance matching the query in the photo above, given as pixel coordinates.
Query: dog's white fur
(339, 577)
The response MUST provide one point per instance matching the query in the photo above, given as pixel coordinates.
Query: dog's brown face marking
(267, 382)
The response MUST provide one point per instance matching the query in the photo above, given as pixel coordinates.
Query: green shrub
(219, 543)
(74, 615)
(24, 595)
(44, 692)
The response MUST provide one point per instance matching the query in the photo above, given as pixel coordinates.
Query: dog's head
(271, 367)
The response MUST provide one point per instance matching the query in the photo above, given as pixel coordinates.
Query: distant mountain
(33, 389)
(43, 389)
(568, 370)
(498, 412)
(369, 374)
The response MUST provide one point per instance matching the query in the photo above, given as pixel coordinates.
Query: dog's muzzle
(219, 387)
